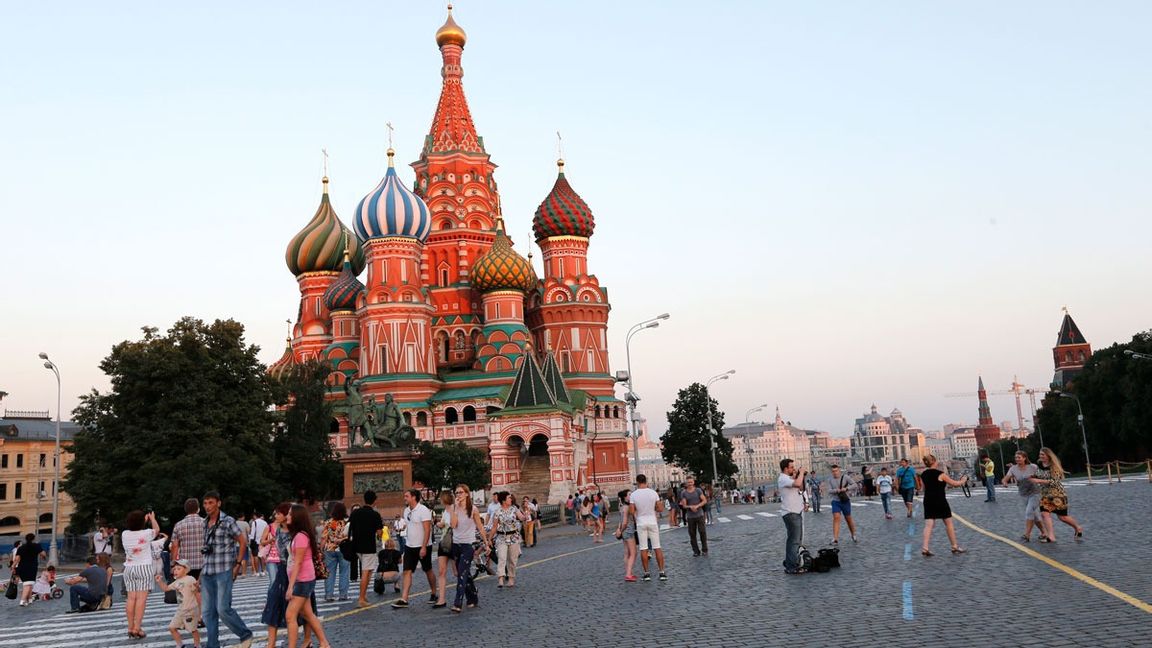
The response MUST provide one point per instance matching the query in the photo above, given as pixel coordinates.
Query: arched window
(451, 417)
(11, 520)
(1067, 356)
(1080, 357)
(407, 418)
(45, 517)
(421, 419)
(469, 414)
(616, 412)
(597, 411)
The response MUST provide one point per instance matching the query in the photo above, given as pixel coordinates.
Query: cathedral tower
(503, 277)
(454, 177)
(570, 314)
(315, 256)
(395, 322)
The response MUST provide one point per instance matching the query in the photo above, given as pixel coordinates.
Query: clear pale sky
(846, 202)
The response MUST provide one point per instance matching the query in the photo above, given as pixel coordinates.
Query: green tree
(441, 467)
(686, 443)
(1115, 391)
(306, 463)
(188, 411)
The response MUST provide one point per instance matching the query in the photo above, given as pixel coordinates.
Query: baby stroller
(480, 559)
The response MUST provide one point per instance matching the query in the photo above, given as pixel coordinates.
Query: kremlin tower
(986, 431)
(1070, 353)
(453, 322)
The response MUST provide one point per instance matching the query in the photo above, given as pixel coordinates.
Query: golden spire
(450, 32)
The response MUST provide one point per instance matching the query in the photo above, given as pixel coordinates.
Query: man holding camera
(225, 545)
(791, 487)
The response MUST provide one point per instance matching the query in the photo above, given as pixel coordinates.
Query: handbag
(10, 593)
(319, 566)
(170, 597)
(446, 542)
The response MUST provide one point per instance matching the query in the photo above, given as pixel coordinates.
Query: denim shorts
(304, 589)
(844, 508)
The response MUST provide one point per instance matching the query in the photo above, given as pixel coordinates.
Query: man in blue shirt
(906, 483)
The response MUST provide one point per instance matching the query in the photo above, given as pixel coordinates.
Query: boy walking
(187, 615)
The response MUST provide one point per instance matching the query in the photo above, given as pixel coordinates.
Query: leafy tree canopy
(189, 411)
(687, 443)
(305, 462)
(441, 467)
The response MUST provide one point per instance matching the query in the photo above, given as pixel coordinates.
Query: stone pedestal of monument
(388, 472)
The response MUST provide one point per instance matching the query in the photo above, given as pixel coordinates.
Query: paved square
(571, 592)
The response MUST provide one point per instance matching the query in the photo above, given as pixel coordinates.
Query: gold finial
(347, 249)
(324, 180)
(1065, 309)
(499, 223)
(391, 151)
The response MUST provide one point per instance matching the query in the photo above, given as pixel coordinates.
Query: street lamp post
(1083, 435)
(747, 442)
(53, 552)
(712, 432)
(1137, 354)
(631, 398)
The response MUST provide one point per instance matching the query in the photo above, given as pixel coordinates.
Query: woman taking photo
(465, 524)
(335, 531)
(506, 536)
(139, 573)
(932, 483)
(443, 557)
(627, 532)
(1053, 498)
(302, 576)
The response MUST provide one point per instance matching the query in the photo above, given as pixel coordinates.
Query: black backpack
(826, 560)
(806, 561)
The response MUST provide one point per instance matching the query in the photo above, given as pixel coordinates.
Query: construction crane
(1016, 389)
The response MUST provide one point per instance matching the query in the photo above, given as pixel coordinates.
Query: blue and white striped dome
(392, 210)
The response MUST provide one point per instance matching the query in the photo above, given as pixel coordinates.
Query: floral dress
(1053, 499)
(507, 525)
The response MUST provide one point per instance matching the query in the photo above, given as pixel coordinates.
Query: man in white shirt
(646, 505)
(418, 550)
(791, 485)
(259, 526)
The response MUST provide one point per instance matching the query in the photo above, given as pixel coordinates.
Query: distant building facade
(27, 468)
(769, 443)
(881, 439)
(963, 443)
(1070, 353)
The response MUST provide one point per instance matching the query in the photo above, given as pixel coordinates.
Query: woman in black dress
(26, 565)
(932, 483)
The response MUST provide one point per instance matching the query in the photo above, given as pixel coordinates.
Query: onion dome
(450, 32)
(563, 212)
(392, 210)
(502, 267)
(342, 294)
(283, 367)
(319, 247)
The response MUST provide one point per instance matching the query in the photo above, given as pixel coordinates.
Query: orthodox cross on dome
(324, 152)
(559, 146)
(390, 132)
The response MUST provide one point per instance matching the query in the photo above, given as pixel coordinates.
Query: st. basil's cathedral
(454, 323)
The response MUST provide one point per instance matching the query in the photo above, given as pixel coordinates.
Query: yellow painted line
(372, 606)
(1078, 575)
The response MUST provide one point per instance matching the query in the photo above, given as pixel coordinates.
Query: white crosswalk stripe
(765, 514)
(745, 517)
(723, 519)
(108, 627)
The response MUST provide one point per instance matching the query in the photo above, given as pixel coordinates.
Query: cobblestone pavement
(570, 592)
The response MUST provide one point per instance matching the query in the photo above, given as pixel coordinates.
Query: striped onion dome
(342, 294)
(563, 212)
(392, 210)
(283, 367)
(319, 247)
(502, 267)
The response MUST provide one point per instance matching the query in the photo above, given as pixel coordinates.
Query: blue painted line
(908, 616)
(911, 529)
(908, 551)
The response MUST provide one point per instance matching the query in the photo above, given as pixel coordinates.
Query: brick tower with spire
(1070, 353)
(986, 431)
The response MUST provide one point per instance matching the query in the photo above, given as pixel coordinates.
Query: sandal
(500, 582)
(926, 553)
(958, 550)
(456, 609)
(1080, 535)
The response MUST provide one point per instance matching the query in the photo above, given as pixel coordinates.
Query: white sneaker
(247, 643)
